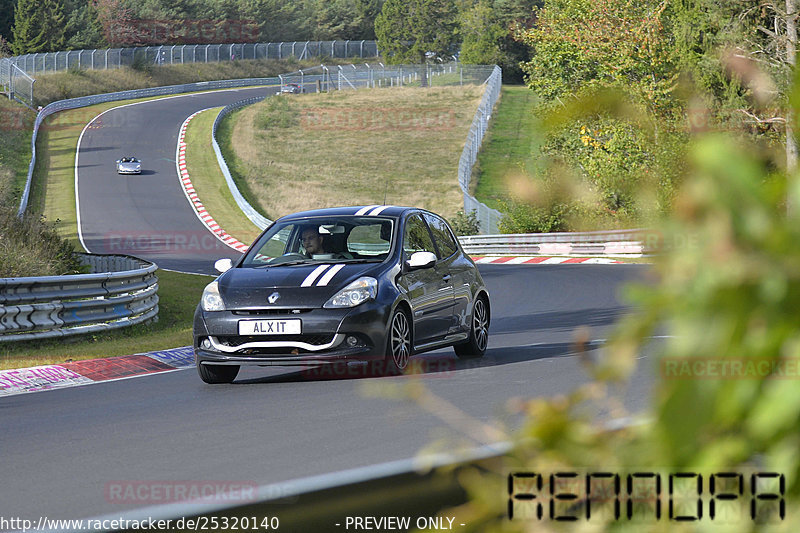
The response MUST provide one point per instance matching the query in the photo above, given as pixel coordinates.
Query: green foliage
(521, 217)
(407, 30)
(465, 223)
(722, 296)
(481, 35)
(38, 26)
(32, 247)
(277, 113)
(345, 19)
(6, 18)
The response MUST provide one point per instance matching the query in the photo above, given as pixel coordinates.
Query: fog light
(351, 341)
(206, 344)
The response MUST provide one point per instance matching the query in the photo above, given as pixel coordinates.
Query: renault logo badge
(273, 297)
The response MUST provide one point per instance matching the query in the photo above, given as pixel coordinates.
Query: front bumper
(324, 337)
(124, 171)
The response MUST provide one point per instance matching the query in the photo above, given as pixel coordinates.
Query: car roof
(392, 211)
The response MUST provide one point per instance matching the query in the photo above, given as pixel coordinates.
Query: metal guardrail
(614, 242)
(121, 291)
(255, 217)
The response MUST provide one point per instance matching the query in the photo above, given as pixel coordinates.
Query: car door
(455, 268)
(429, 292)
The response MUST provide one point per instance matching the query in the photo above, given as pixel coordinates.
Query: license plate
(270, 327)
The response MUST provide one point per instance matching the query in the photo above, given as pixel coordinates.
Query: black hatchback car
(371, 284)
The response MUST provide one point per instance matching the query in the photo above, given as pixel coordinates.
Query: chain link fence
(110, 58)
(488, 218)
(15, 83)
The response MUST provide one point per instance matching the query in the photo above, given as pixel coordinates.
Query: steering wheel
(294, 256)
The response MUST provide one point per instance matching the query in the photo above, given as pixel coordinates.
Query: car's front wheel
(478, 333)
(217, 373)
(398, 344)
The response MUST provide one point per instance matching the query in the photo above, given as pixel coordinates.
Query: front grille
(271, 312)
(316, 339)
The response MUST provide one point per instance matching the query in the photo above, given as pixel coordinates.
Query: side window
(442, 235)
(416, 237)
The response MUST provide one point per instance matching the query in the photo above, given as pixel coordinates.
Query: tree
(606, 42)
(481, 35)
(6, 18)
(409, 30)
(345, 19)
(38, 26)
(82, 30)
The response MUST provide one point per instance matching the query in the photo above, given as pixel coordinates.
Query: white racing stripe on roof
(329, 275)
(314, 275)
(378, 210)
(365, 209)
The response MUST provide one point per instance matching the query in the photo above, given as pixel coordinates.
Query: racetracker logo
(378, 119)
(159, 491)
(730, 368)
(170, 242)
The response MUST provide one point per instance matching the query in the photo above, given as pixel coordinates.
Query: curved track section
(146, 215)
(72, 447)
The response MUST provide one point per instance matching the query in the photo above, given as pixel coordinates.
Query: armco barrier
(255, 217)
(615, 242)
(121, 291)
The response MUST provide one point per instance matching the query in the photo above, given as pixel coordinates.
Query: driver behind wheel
(314, 244)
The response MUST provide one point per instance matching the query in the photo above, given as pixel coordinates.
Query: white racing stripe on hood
(365, 209)
(329, 275)
(309, 281)
(378, 210)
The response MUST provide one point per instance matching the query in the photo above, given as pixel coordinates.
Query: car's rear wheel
(217, 373)
(479, 332)
(398, 345)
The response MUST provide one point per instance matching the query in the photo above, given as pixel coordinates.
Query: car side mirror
(420, 260)
(223, 265)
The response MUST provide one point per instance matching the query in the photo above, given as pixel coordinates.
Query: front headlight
(211, 300)
(356, 293)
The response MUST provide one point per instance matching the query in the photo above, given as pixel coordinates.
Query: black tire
(217, 373)
(478, 332)
(398, 343)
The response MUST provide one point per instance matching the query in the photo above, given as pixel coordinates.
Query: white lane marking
(313, 276)
(378, 210)
(554, 260)
(517, 260)
(329, 275)
(485, 259)
(365, 209)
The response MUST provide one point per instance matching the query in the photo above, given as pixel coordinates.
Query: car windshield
(323, 240)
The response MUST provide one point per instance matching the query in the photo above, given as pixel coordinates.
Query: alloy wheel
(400, 340)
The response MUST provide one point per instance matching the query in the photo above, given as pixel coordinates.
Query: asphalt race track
(146, 215)
(63, 449)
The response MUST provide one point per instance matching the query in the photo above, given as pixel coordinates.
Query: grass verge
(507, 150)
(208, 181)
(16, 125)
(178, 297)
(353, 147)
